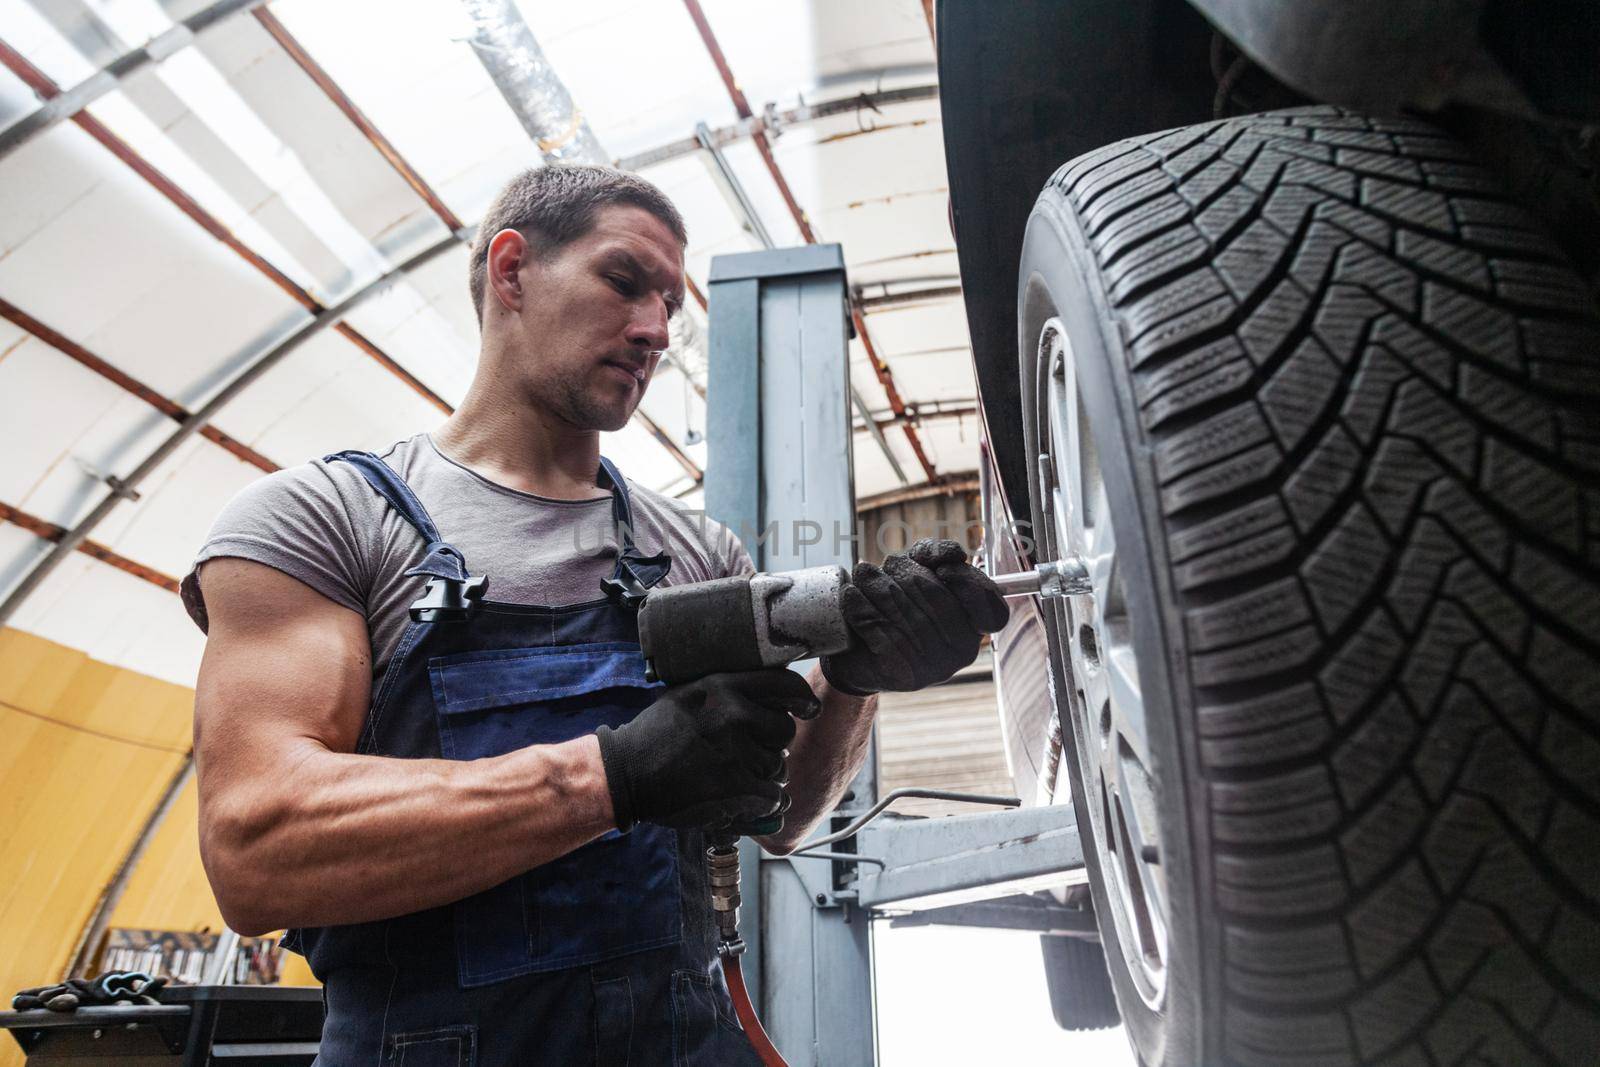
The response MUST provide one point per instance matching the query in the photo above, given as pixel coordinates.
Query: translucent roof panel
(417, 79)
(781, 51)
(633, 66)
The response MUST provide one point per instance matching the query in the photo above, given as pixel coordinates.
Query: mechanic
(484, 831)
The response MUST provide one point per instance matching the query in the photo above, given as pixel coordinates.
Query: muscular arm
(823, 758)
(297, 830)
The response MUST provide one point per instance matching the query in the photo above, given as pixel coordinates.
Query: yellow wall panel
(168, 890)
(86, 752)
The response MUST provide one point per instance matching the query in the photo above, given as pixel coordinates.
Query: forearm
(825, 756)
(339, 838)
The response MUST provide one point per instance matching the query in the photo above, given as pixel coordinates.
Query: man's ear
(508, 253)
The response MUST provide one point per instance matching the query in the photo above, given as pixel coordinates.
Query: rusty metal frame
(68, 103)
(773, 122)
(764, 147)
(47, 89)
(327, 318)
(49, 531)
(324, 81)
(167, 406)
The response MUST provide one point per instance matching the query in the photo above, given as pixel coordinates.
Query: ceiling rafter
(324, 81)
(68, 103)
(47, 90)
(763, 146)
(167, 406)
(125, 488)
(49, 531)
(772, 121)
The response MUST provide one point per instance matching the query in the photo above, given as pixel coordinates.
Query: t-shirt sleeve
(294, 521)
(728, 552)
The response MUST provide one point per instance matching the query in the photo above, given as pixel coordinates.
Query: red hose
(747, 1015)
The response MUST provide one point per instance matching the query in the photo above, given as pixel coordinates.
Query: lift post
(780, 474)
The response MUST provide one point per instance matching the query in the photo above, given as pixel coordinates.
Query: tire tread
(1366, 382)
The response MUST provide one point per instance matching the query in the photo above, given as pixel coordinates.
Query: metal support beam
(930, 863)
(758, 136)
(329, 317)
(780, 456)
(887, 299)
(49, 531)
(65, 105)
(732, 188)
(1038, 912)
(358, 118)
(168, 407)
(48, 90)
(771, 122)
(948, 485)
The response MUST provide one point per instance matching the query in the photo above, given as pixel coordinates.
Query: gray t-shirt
(323, 524)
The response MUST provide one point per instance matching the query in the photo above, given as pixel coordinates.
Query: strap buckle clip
(450, 600)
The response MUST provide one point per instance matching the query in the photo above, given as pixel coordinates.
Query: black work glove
(916, 621)
(113, 987)
(707, 753)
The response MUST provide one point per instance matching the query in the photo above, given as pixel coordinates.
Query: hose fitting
(722, 869)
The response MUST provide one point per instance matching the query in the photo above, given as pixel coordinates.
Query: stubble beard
(582, 409)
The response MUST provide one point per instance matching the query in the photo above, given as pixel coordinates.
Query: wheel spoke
(1121, 675)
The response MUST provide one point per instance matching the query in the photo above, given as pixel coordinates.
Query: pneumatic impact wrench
(754, 621)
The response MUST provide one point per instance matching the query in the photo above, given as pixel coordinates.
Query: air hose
(722, 867)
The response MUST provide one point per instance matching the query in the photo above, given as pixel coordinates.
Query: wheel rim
(1102, 699)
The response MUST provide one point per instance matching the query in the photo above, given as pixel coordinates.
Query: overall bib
(604, 956)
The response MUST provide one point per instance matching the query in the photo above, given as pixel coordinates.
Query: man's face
(593, 322)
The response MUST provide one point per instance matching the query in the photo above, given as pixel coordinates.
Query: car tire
(1081, 997)
(1318, 406)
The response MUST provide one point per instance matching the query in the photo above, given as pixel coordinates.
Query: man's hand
(707, 753)
(917, 620)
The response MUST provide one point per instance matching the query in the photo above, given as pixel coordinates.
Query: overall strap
(451, 593)
(634, 573)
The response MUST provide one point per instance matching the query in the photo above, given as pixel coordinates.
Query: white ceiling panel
(639, 457)
(615, 54)
(825, 44)
(411, 328)
(47, 47)
(442, 283)
(408, 67)
(361, 406)
(898, 328)
(43, 179)
(128, 276)
(47, 404)
(240, 110)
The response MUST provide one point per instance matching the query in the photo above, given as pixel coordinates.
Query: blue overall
(604, 956)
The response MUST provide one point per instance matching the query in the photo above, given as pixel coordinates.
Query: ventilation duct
(519, 69)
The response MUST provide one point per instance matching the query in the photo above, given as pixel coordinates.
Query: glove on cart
(113, 987)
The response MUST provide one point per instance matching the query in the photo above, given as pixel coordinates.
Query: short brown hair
(555, 205)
